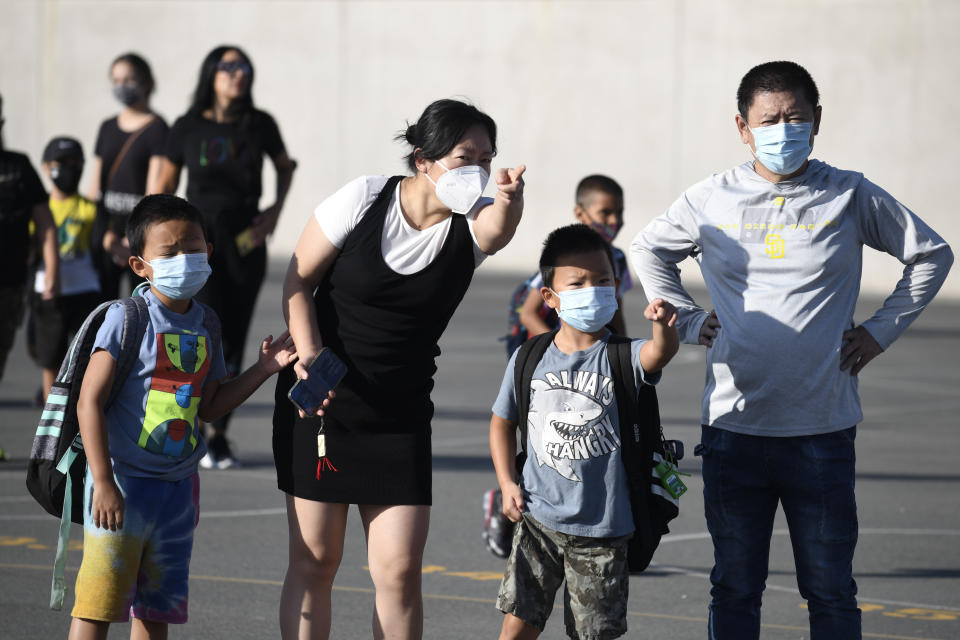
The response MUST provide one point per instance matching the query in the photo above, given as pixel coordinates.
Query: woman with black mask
(221, 141)
(126, 165)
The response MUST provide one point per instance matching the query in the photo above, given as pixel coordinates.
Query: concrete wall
(643, 91)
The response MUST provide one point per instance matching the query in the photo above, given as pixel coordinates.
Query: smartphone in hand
(324, 373)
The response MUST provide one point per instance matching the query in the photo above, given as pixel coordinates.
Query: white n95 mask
(460, 188)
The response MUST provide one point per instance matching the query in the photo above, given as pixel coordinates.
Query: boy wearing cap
(56, 320)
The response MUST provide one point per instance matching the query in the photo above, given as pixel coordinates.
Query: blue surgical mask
(181, 276)
(588, 309)
(783, 148)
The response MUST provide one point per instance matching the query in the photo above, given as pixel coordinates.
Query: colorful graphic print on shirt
(74, 218)
(221, 149)
(170, 420)
(569, 420)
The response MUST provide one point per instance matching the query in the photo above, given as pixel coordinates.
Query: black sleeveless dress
(385, 327)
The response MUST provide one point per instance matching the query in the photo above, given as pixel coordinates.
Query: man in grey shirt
(779, 240)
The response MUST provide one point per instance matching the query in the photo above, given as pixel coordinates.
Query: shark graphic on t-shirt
(569, 420)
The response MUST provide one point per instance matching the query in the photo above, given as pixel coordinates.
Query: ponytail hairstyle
(203, 95)
(440, 127)
(141, 70)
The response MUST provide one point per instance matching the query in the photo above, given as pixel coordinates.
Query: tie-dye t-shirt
(152, 425)
(574, 480)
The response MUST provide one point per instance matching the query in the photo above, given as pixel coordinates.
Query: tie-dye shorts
(142, 569)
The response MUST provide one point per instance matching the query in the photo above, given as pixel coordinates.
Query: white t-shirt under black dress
(382, 307)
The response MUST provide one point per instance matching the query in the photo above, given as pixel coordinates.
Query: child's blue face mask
(783, 148)
(588, 309)
(180, 277)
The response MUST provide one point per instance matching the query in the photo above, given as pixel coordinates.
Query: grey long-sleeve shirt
(782, 263)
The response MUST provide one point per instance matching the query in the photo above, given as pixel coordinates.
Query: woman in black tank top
(345, 294)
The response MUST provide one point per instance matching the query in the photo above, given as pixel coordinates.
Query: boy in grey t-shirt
(572, 502)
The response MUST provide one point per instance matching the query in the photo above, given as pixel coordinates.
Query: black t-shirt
(224, 163)
(129, 182)
(20, 191)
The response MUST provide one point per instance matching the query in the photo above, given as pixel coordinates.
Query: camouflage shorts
(11, 302)
(597, 580)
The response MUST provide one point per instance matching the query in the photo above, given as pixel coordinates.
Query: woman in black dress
(221, 141)
(126, 165)
(376, 275)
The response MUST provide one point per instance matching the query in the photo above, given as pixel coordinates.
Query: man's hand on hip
(708, 330)
(860, 348)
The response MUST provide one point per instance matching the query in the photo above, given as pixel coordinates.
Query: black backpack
(643, 447)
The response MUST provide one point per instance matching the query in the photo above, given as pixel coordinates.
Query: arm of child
(503, 450)
(220, 399)
(107, 504)
(657, 352)
(530, 314)
(46, 230)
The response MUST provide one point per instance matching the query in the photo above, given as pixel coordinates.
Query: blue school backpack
(57, 464)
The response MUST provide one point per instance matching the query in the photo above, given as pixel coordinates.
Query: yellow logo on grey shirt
(774, 246)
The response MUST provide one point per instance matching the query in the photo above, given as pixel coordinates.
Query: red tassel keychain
(323, 464)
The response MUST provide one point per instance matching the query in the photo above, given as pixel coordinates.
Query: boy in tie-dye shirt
(142, 488)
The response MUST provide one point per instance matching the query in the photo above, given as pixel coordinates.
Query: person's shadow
(763, 346)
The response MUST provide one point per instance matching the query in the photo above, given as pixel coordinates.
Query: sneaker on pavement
(207, 461)
(219, 455)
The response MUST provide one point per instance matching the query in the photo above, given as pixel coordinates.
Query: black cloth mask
(66, 177)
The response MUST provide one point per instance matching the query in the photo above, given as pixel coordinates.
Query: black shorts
(54, 322)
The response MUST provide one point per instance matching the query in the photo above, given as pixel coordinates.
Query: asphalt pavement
(907, 563)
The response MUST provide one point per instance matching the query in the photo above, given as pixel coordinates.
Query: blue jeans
(744, 477)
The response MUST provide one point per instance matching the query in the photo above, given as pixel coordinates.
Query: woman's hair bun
(411, 135)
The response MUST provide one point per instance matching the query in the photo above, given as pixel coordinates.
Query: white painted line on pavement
(794, 591)
(239, 513)
(866, 531)
(242, 513)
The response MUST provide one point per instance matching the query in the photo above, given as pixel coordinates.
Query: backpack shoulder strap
(528, 357)
(620, 357)
(136, 317)
(69, 365)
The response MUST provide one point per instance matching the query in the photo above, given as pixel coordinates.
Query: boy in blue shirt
(572, 503)
(142, 486)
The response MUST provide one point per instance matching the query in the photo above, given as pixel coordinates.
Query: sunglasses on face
(232, 66)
